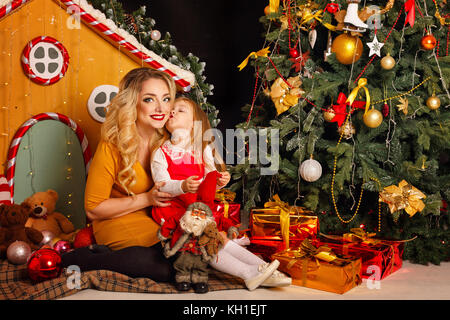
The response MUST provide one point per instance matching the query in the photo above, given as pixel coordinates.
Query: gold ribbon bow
(308, 16)
(362, 82)
(359, 235)
(322, 253)
(261, 53)
(274, 5)
(225, 196)
(284, 216)
(403, 196)
(285, 93)
(308, 251)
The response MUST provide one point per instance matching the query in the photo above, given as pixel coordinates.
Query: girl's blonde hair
(197, 135)
(119, 128)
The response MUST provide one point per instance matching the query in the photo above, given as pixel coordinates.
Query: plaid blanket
(15, 284)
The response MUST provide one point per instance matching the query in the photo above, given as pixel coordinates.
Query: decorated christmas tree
(359, 93)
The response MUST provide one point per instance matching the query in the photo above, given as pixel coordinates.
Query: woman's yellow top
(133, 229)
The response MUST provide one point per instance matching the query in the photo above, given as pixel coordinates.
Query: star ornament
(375, 47)
(403, 105)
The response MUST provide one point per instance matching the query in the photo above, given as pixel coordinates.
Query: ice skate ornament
(369, 14)
(352, 22)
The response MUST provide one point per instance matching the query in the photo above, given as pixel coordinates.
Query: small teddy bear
(211, 239)
(44, 217)
(12, 220)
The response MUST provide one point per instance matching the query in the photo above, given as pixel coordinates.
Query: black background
(220, 33)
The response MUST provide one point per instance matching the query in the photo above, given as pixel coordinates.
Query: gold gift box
(321, 275)
(265, 224)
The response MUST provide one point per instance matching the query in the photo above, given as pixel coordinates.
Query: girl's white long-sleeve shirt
(159, 165)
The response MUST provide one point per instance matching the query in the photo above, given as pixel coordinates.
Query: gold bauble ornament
(433, 102)
(373, 118)
(387, 63)
(348, 49)
(347, 130)
(328, 115)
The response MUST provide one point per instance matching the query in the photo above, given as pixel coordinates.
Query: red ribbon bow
(340, 109)
(410, 8)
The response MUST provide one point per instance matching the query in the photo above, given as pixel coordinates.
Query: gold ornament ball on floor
(433, 102)
(373, 118)
(348, 49)
(387, 63)
(328, 115)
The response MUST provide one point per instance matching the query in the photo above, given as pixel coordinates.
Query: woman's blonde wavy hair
(119, 128)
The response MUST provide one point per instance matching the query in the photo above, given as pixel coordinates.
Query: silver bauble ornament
(18, 252)
(310, 170)
(48, 236)
(155, 35)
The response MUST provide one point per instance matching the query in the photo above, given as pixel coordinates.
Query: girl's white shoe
(265, 271)
(277, 279)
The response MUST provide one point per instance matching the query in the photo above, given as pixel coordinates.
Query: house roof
(108, 29)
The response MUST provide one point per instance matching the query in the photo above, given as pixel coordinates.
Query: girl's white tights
(237, 261)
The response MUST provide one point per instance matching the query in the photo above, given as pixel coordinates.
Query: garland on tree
(391, 84)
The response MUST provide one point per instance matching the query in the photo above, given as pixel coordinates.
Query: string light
(402, 94)
(360, 195)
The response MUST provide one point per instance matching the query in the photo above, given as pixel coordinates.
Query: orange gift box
(265, 224)
(320, 268)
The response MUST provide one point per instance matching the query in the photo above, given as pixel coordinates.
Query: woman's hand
(223, 180)
(191, 184)
(159, 198)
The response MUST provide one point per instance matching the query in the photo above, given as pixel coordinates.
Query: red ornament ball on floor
(44, 264)
(84, 238)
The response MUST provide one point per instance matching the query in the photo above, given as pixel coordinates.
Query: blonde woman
(120, 191)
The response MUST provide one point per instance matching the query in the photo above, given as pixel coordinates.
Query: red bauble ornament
(332, 8)
(428, 42)
(385, 110)
(294, 53)
(84, 238)
(44, 264)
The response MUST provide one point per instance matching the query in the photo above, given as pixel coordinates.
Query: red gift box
(226, 207)
(230, 210)
(379, 258)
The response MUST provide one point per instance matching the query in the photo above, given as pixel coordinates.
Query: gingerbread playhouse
(61, 64)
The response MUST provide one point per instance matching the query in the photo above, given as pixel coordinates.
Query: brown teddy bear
(44, 217)
(211, 239)
(12, 221)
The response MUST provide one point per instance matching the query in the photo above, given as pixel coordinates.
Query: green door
(50, 157)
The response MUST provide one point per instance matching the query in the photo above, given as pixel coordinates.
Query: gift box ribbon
(308, 250)
(359, 236)
(225, 196)
(284, 216)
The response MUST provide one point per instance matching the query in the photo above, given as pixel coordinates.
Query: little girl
(183, 168)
